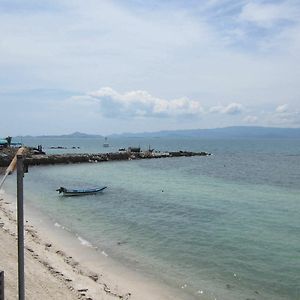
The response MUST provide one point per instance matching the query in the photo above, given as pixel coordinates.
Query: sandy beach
(55, 270)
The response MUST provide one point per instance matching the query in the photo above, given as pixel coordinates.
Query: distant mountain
(79, 135)
(72, 135)
(236, 132)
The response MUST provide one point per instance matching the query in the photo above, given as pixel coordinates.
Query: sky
(113, 66)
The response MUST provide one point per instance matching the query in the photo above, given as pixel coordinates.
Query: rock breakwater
(102, 157)
(52, 159)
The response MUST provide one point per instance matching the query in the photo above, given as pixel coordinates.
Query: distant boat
(106, 144)
(80, 192)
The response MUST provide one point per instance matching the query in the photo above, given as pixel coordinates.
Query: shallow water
(224, 226)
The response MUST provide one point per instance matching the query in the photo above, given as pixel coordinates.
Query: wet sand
(58, 269)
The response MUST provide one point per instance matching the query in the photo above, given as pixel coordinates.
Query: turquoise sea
(224, 226)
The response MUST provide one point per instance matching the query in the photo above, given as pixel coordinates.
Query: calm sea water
(219, 227)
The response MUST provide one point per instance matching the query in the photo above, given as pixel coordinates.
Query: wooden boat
(80, 192)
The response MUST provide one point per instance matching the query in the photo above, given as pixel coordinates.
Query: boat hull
(80, 192)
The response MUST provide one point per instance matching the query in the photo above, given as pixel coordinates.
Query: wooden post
(20, 220)
(1, 285)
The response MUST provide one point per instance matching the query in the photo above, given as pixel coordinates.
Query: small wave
(84, 242)
(62, 227)
(57, 225)
(104, 253)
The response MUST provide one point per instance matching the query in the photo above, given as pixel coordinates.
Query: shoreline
(70, 262)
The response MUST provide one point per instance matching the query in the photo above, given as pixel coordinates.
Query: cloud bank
(140, 104)
(230, 109)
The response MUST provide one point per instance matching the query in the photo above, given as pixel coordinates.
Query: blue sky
(112, 66)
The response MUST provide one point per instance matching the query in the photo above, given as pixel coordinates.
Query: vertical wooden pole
(1, 285)
(20, 219)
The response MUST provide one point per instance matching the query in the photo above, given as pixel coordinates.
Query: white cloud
(250, 119)
(282, 108)
(286, 119)
(282, 116)
(268, 14)
(216, 109)
(139, 104)
(230, 109)
(233, 109)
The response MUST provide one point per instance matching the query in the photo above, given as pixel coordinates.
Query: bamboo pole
(18, 162)
(12, 165)
(20, 222)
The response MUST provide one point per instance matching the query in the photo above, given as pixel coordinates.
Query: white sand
(57, 270)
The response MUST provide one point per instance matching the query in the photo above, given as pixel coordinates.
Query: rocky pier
(52, 159)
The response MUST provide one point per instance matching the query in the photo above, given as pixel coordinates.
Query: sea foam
(84, 242)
